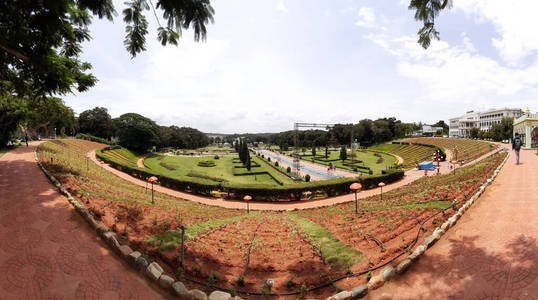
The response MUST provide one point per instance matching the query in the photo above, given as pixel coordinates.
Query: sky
(269, 63)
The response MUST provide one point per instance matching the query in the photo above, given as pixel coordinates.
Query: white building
(461, 126)
(430, 129)
(527, 127)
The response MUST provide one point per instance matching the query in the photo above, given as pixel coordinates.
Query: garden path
(491, 253)
(47, 251)
(409, 177)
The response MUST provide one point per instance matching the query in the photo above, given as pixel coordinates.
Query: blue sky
(269, 63)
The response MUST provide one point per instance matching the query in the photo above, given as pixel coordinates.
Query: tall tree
(12, 112)
(41, 41)
(96, 122)
(137, 132)
(343, 153)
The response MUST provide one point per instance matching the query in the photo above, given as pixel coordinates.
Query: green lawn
(187, 168)
(367, 157)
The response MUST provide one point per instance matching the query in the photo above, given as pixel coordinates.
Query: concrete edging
(153, 271)
(389, 272)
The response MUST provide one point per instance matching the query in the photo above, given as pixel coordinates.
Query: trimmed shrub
(216, 157)
(333, 187)
(276, 163)
(89, 137)
(307, 178)
(206, 163)
(288, 169)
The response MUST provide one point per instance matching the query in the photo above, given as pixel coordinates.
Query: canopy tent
(427, 165)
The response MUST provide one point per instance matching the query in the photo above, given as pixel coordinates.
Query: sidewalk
(491, 253)
(47, 251)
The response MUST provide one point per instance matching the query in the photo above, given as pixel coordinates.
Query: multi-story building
(461, 126)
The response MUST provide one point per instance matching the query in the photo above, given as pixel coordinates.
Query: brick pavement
(491, 253)
(47, 251)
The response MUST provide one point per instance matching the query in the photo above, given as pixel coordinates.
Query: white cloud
(457, 74)
(281, 6)
(514, 21)
(366, 18)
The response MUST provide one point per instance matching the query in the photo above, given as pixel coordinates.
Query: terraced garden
(411, 154)
(468, 150)
(122, 155)
(307, 253)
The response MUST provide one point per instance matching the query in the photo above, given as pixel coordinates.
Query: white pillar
(527, 136)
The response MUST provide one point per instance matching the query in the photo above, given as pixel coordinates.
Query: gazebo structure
(526, 125)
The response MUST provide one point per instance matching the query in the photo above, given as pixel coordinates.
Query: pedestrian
(516, 146)
(26, 139)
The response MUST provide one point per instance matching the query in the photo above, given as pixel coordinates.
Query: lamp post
(381, 185)
(454, 162)
(87, 166)
(247, 198)
(152, 180)
(355, 187)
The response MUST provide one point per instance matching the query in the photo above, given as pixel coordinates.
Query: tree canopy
(426, 11)
(40, 41)
(96, 122)
(137, 132)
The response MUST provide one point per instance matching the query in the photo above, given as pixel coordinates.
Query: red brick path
(492, 252)
(46, 250)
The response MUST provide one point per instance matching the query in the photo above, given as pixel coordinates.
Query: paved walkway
(409, 177)
(492, 252)
(46, 250)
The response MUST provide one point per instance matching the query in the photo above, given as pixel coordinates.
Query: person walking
(26, 138)
(516, 146)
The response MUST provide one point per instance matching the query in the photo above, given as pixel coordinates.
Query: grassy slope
(410, 154)
(223, 169)
(337, 254)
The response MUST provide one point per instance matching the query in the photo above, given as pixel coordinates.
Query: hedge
(260, 192)
(92, 138)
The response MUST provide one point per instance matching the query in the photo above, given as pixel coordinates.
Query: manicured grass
(367, 157)
(225, 170)
(337, 254)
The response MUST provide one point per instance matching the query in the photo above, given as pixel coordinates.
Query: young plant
(211, 279)
(240, 280)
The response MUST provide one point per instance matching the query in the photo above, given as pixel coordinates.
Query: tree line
(139, 133)
(366, 132)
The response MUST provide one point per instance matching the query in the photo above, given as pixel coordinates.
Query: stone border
(153, 271)
(391, 271)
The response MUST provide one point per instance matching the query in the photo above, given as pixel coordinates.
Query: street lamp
(247, 198)
(152, 180)
(381, 185)
(355, 187)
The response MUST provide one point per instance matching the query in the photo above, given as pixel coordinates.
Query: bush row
(295, 191)
(92, 138)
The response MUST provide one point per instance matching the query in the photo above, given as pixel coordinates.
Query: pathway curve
(47, 251)
(491, 253)
(409, 177)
